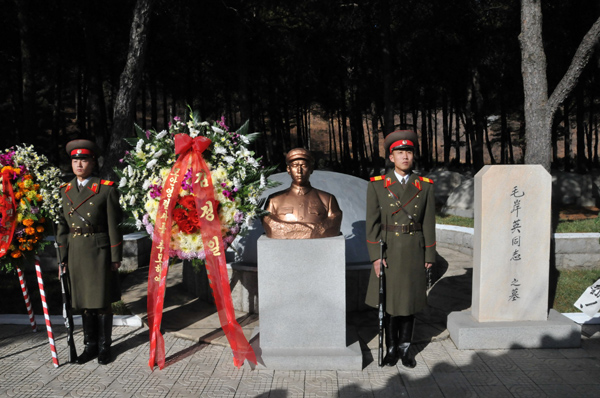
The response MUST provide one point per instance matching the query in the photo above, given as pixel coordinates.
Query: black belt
(88, 230)
(404, 228)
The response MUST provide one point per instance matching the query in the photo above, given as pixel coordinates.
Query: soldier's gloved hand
(377, 265)
(61, 267)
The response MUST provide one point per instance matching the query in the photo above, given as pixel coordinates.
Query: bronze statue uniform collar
(300, 190)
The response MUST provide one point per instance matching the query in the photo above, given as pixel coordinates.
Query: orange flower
(27, 177)
(16, 254)
(38, 198)
(21, 184)
(18, 195)
(28, 222)
(30, 230)
(36, 186)
(39, 229)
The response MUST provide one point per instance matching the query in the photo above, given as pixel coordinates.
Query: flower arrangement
(237, 176)
(32, 185)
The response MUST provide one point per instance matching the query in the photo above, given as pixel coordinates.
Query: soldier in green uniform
(400, 212)
(91, 248)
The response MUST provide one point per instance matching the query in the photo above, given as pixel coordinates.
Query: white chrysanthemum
(146, 185)
(217, 130)
(139, 145)
(229, 159)
(220, 150)
(151, 164)
(245, 139)
(263, 181)
(158, 153)
(161, 135)
(123, 182)
(252, 162)
(139, 224)
(132, 200)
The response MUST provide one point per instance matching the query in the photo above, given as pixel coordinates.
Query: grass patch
(571, 285)
(449, 219)
(564, 226)
(578, 226)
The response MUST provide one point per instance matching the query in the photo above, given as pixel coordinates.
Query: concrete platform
(557, 332)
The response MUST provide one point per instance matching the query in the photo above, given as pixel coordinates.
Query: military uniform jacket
(89, 240)
(389, 203)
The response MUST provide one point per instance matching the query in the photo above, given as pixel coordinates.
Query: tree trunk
(580, 131)
(128, 86)
(27, 100)
(539, 108)
(567, 136)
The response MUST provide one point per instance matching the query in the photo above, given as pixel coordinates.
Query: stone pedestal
(511, 260)
(302, 290)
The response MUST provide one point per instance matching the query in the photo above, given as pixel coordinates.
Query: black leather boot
(406, 327)
(105, 340)
(391, 341)
(89, 318)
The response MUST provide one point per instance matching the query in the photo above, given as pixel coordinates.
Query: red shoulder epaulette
(106, 182)
(429, 180)
(377, 178)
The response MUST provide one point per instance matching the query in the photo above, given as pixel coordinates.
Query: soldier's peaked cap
(401, 139)
(82, 149)
(299, 153)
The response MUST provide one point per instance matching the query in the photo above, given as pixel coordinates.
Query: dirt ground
(578, 213)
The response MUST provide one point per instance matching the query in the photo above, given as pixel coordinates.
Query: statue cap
(299, 153)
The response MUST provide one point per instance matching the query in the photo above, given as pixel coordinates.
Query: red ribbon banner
(190, 153)
(8, 213)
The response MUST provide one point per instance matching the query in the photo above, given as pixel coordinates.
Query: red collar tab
(69, 186)
(388, 182)
(94, 187)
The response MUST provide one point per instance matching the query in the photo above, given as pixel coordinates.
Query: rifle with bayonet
(381, 306)
(65, 288)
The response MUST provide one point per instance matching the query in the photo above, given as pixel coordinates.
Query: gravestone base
(557, 331)
(332, 358)
(302, 293)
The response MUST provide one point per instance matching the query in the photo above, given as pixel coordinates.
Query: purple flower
(148, 133)
(155, 191)
(238, 217)
(222, 123)
(121, 160)
(35, 210)
(177, 118)
(186, 184)
(6, 158)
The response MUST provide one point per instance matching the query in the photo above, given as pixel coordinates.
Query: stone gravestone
(302, 290)
(511, 259)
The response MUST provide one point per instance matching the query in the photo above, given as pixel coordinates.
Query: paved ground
(199, 364)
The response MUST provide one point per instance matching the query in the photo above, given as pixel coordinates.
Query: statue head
(300, 165)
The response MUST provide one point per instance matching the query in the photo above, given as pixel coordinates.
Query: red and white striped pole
(27, 301)
(38, 271)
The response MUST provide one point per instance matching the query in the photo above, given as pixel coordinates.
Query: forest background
(332, 76)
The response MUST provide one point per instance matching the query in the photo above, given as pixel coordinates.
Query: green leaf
(244, 129)
(140, 132)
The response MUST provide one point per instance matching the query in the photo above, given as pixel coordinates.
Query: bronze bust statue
(301, 211)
